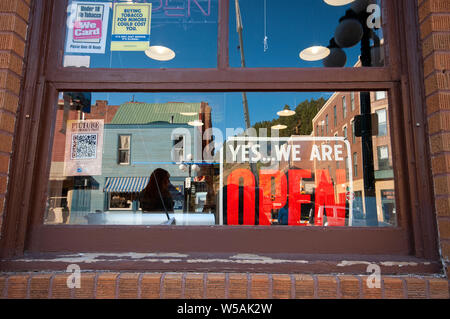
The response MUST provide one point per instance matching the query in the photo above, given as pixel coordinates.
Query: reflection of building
(336, 118)
(138, 138)
(62, 189)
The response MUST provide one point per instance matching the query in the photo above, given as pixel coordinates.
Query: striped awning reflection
(125, 184)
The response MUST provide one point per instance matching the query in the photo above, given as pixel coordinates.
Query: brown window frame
(25, 232)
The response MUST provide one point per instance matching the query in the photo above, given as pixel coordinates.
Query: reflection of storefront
(388, 206)
(122, 193)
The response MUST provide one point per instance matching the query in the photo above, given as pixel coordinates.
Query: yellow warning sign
(131, 27)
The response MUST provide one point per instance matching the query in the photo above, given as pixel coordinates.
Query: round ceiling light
(188, 113)
(314, 53)
(338, 2)
(160, 53)
(279, 127)
(286, 113)
(196, 123)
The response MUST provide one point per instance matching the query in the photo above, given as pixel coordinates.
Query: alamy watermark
(74, 280)
(374, 279)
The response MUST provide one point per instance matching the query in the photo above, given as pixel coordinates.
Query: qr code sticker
(84, 146)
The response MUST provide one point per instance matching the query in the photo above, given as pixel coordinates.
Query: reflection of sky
(226, 108)
(292, 25)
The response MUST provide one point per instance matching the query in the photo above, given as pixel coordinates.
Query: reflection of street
(138, 138)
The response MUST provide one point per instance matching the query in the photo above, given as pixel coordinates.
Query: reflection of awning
(125, 184)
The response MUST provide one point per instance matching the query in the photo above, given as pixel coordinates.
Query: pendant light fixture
(160, 53)
(286, 112)
(314, 53)
(196, 123)
(188, 113)
(279, 127)
(337, 3)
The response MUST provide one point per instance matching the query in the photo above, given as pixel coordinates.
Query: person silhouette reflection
(156, 197)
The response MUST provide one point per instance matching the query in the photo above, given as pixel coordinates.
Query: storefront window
(285, 33)
(192, 159)
(141, 34)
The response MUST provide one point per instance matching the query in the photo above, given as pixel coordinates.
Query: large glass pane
(141, 34)
(220, 159)
(306, 33)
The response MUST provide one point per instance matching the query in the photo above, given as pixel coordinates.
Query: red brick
(434, 22)
(128, 286)
(441, 164)
(172, 286)
(237, 286)
(281, 286)
(106, 286)
(17, 287)
(259, 286)
(436, 42)
(433, 6)
(2, 287)
(193, 287)
(349, 286)
(151, 286)
(15, 6)
(445, 248)
(10, 61)
(440, 142)
(8, 101)
(39, 286)
(439, 288)
(393, 288)
(86, 291)
(215, 286)
(438, 61)
(7, 122)
(444, 228)
(439, 122)
(327, 287)
(4, 163)
(11, 22)
(12, 42)
(304, 287)
(369, 292)
(442, 184)
(439, 101)
(9, 81)
(416, 288)
(443, 206)
(3, 184)
(437, 81)
(59, 287)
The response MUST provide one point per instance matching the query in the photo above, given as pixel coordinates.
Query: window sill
(223, 262)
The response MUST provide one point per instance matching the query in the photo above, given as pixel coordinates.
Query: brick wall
(220, 285)
(14, 16)
(434, 17)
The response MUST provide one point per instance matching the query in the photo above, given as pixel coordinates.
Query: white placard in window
(87, 27)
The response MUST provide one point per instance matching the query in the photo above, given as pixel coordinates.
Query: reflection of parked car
(330, 216)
